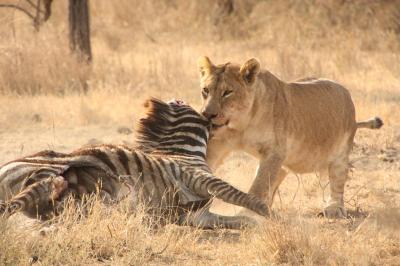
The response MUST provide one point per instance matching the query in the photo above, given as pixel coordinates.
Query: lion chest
(258, 141)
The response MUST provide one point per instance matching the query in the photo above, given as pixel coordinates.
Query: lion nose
(209, 116)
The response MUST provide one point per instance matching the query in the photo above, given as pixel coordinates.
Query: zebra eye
(205, 92)
(227, 94)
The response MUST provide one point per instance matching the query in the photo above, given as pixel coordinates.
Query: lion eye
(205, 92)
(227, 94)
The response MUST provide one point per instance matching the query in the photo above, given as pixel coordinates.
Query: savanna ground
(144, 48)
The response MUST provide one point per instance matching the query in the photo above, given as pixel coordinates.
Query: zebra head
(173, 128)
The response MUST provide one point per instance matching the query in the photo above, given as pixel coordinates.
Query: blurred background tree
(79, 29)
(78, 18)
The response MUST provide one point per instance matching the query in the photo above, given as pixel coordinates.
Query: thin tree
(79, 29)
(39, 11)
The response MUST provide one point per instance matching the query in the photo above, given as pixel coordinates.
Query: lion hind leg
(338, 172)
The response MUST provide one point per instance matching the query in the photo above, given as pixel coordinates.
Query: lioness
(303, 126)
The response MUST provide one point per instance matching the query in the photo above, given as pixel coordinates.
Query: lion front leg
(268, 178)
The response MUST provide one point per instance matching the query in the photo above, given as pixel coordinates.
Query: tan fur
(302, 126)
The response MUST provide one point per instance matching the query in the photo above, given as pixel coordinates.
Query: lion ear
(249, 70)
(205, 66)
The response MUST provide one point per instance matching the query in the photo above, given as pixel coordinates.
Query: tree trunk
(79, 29)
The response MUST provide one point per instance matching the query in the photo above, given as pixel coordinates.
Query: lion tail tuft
(373, 123)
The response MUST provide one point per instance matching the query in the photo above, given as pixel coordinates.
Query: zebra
(166, 171)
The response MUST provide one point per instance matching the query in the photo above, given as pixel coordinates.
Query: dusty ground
(145, 48)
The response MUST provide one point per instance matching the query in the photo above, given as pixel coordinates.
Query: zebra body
(167, 170)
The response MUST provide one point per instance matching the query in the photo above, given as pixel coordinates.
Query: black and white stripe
(36, 200)
(166, 170)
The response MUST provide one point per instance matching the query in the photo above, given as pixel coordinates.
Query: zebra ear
(249, 70)
(205, 66)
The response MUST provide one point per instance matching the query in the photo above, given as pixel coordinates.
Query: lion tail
(373, 123)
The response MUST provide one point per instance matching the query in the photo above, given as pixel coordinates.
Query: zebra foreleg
(207, 220)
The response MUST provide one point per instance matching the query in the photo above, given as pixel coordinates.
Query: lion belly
(304, 158)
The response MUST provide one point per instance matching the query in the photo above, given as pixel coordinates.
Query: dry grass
(145, 48)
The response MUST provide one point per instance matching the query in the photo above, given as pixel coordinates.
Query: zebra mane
(171, 128)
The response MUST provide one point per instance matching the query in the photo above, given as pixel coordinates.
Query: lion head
(227, 92)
